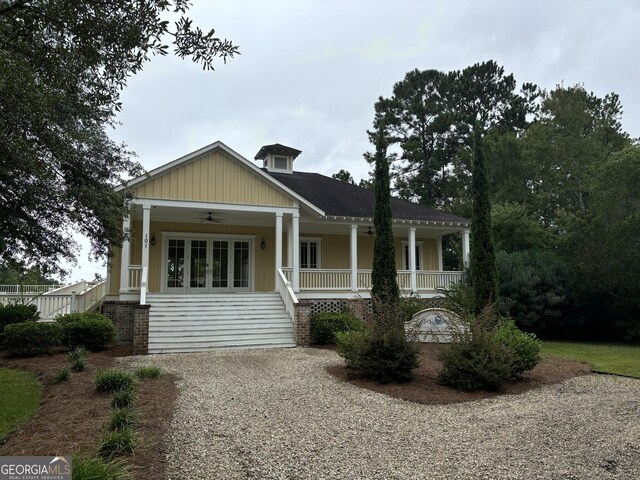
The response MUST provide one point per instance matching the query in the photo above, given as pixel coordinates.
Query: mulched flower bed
(73, 415)
(426, 389)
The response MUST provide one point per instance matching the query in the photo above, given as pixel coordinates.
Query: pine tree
(383, 277)
(484, 276)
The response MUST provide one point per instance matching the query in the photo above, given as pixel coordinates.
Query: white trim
(144, 201)
(420, 257)
(350, 295)
(165, 235)
(354, 257)
(125, 255)
(278, 245)
(412, 258)
(295, 252)
(339, 219)
(234, 155)
(465, 248)
(439, 253)
(317, 240)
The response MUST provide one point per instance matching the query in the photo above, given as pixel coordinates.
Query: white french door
(207, 265)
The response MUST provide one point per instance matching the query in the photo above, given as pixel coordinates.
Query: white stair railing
(287, 294)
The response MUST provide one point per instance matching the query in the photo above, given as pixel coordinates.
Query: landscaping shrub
(117, 442)
(123, 399)
(382, 356)
(324, 326)
(148, 372)
(91, 330)
(17, 313)
(31, 338)
(113, 381)
(78, 359)
(98, 469)
(74, 317)
(63, 375)
(476, 360)
(122, 418)
(381, 352)
(524, 346)
(409, 306)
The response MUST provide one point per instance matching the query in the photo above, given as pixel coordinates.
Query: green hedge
(324, 326)
(524, 346)
(31, 338)
(17, 313)
(90, 330)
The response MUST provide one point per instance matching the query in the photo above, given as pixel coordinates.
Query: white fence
(340, 279)
(78, 297)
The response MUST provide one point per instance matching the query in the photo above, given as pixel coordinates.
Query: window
(281, 163)
(310, 253)
(405, 255)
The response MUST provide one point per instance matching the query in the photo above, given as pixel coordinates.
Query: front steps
(201, 322)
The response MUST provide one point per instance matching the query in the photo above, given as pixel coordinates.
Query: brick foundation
(132, 324)
(303, 323)
(141, 329)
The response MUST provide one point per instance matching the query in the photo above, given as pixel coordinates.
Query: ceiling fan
(209, 219)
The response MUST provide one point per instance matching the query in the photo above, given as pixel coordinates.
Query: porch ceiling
(196, 216)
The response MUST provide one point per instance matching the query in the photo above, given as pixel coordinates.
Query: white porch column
(412, 259)
(144, 280)
(439, 252)
(354, 258)
(290, 243)
(278, 243)
(295, 251)
(125, 256)
(465, 248)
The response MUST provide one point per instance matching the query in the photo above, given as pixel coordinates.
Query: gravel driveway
(277, 414)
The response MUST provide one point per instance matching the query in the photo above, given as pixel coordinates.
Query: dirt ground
(426, 389)
(73, 415)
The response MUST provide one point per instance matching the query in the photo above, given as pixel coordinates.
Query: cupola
(277, 158)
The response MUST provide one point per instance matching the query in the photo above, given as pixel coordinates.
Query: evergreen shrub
(325, 325)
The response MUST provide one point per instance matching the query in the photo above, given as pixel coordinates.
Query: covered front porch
(196, 247)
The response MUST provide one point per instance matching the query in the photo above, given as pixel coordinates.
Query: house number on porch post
(146, 240)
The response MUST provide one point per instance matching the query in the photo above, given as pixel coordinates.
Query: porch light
(263, 244)
(369, 232)
(153, 239)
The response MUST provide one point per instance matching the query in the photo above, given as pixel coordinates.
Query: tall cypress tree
(383, 277)
(484, 275)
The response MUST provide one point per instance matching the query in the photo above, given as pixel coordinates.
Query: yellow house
(220, 246)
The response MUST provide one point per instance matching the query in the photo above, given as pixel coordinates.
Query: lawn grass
(20, 397)
(603, 357)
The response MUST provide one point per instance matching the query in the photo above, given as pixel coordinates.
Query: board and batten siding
(335, 251)
(214, 177)
(264, 259)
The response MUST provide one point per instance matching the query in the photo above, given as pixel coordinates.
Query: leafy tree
(21, 275)
(575, 132)
(515, 230)
(383, 277)
(536, 290)
(344, 176)
(63, 67)
(602, 248)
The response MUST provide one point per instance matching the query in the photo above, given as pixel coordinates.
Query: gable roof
(343, 199)
(232, 154)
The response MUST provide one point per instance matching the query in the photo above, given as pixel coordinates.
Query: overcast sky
(310, 72)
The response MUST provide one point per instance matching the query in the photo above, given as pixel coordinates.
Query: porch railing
(135, 277)
(78, 297)
(286, 293)
(340, 279)
(27, 289)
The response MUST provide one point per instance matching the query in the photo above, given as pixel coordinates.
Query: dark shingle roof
(277, 149)
(342, 199)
